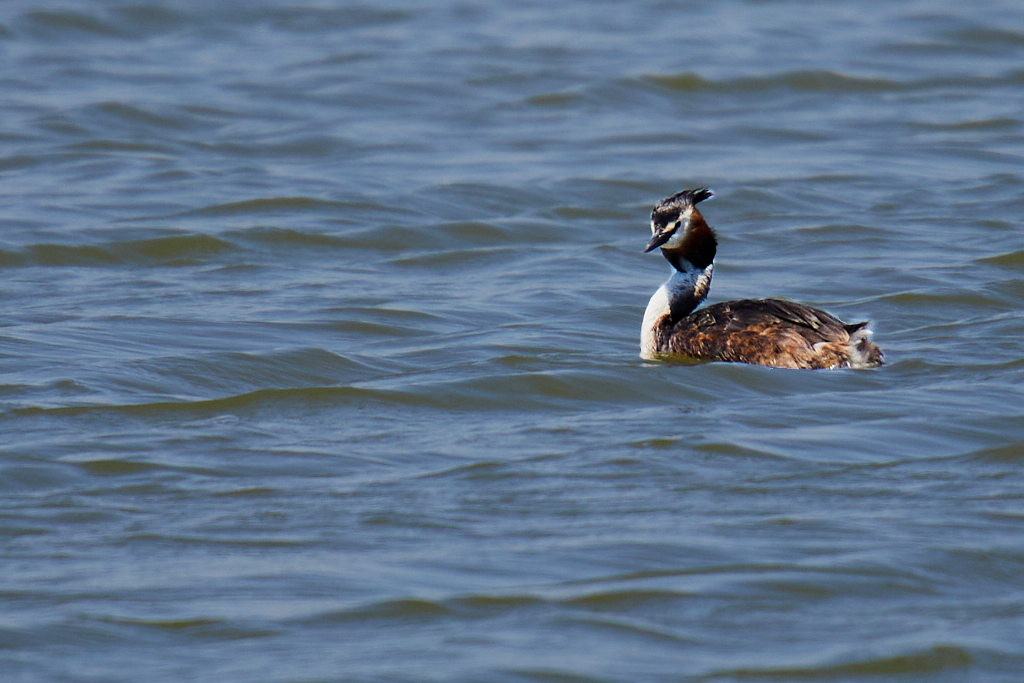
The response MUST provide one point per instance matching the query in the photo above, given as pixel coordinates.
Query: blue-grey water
(319, 342)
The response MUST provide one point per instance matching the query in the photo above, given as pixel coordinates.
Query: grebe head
(680, 229)
(673, 215)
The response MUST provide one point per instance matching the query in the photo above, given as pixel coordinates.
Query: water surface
(319, 350)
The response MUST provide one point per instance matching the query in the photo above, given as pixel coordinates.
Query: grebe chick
(773, 332)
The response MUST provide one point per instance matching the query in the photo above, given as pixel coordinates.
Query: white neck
(680, 294)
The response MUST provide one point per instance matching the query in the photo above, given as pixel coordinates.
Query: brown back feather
(763, 331)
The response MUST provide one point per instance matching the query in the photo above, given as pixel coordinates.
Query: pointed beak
(659, 239)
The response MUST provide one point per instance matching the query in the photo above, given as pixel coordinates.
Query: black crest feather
(686, 197)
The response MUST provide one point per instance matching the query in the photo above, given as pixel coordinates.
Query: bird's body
(771, 332)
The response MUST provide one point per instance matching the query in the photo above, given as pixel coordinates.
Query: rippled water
(319, 350)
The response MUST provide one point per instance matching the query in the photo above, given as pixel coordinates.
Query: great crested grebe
(782, 334)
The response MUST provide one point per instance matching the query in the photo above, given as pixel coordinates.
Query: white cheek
(676, 240)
